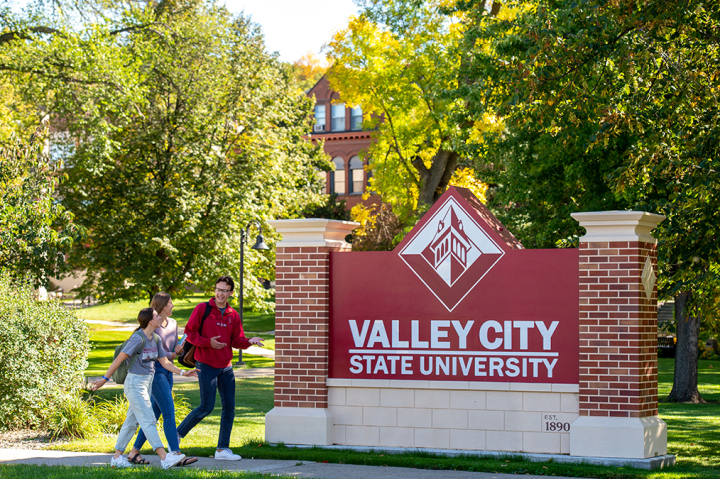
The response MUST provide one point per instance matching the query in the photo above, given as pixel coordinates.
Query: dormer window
(319, 118)
(356, 118)
(338, 117)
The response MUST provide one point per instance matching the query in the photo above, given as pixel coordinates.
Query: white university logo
(450, 243)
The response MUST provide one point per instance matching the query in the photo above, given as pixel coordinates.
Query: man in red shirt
(221, 331)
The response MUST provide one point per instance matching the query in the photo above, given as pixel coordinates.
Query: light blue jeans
(140, 412)
(162, 403)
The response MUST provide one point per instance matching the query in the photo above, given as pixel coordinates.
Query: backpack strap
(135, 356)
(208, 310)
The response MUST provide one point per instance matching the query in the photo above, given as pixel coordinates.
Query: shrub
(110, 414)
(43, 352)
(73, 417)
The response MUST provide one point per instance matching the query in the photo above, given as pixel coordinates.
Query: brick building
(342, 131)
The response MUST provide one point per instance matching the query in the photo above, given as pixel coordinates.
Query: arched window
(356, 175)
(337, 177)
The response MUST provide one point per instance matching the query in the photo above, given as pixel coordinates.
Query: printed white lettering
(496, 364)
(507, 329)
(359, 337)
(378, 335)
(380, 365)
(513, 370)
(484, 334)
(546, 333)
(393, 360)
(479, 366)
(440, 364)
(422, 365)
(462, 332)
(406, 365)
(550, 366)
(356, 362)
(535, 362)
(436, 334)
(465, 368)
(396, 343)
(416, 343)
(523, 326)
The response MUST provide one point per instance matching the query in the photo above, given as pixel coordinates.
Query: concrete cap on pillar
(606, 226)
(313, 232)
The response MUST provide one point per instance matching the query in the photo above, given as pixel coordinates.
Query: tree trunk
(685, 381)
(435, 179)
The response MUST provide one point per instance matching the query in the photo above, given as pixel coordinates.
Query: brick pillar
(302, 318)
(618, 338)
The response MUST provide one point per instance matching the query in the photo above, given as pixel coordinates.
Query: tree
(308, 70)
(399, 61)
(625, 85)
(36, 232)
(183, 129)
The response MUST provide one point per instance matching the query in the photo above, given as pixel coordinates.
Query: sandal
(187, 461)
(138, 459)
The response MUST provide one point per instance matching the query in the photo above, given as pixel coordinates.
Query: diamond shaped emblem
(648, 277)
(451, 253)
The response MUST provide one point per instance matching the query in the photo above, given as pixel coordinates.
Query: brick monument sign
(462, 339)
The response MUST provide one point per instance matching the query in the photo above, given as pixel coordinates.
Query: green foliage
(35, 231)
(43, 351)
(182, 130)
(331, 208)
(74, 418)
(110, 413)
(398, 60)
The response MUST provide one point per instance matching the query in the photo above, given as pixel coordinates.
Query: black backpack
(187, 356)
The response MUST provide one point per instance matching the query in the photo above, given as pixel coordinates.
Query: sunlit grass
(127, 311)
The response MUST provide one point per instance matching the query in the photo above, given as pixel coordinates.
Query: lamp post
(259, 245)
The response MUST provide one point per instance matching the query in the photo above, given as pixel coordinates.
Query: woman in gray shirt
(137, 388)
(162, 399)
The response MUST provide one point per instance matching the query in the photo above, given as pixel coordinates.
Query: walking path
(265, 466)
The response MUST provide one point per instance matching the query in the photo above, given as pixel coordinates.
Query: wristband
(182, 372)
(106, 379)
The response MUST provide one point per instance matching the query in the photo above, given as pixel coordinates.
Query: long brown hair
(144, 317)
(159, 301)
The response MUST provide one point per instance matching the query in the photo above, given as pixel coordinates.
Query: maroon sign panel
(457, 300)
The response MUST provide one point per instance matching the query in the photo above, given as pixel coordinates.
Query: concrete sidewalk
(265, 466)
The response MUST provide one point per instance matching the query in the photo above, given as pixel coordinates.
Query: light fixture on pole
(259, 245)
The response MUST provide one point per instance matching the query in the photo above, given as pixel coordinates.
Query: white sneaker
(226, 455)
(172, 459)
(120, 462)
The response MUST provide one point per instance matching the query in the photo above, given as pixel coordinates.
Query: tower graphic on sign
(450, 252)
(451, 249)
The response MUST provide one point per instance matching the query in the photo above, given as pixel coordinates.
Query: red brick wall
(302, 302)
(618, 331)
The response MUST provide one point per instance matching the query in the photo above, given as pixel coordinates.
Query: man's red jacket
(227, 326)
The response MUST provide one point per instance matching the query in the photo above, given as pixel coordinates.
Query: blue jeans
(162, 403)
(211, 380)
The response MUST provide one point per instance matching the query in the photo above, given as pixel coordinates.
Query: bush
(110, 414)
(43, 352)
(73, 417)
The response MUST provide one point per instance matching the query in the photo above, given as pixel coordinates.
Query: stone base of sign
(473, 416)
(627, 437)
(299, 425)
(649, 463)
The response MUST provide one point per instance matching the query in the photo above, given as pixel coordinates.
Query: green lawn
(127, 311)
(692, 436)
(59, 472)
(104, 340)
